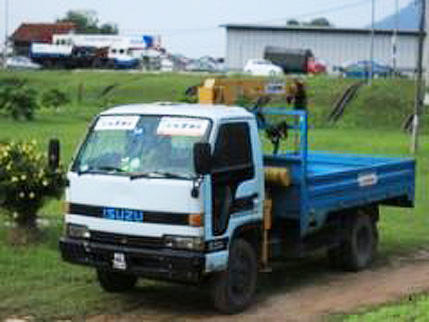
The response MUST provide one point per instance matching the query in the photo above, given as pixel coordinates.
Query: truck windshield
(155, 146)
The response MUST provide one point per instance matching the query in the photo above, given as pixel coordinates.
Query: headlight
(182, 242)
(77, 231)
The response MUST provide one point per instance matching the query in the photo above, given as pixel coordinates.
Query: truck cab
(184, 193)
(135, 203)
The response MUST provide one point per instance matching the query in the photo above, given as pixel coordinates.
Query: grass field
(33, 280)
(414, 308)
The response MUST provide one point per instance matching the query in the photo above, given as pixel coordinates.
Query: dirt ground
(304, 291)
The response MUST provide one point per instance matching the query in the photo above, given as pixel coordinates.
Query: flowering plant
(26, 181)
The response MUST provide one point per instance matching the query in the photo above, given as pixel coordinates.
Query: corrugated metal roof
(317, 29)
(41, 32)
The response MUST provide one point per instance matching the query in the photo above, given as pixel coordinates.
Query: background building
(335, 46)
(28, 33)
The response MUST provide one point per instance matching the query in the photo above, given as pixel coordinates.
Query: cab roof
(215, 112)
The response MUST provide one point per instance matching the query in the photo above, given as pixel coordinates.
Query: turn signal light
(196, 220)
(66, 207)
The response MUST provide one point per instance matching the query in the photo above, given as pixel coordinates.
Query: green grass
(34, 280)
(414, 308)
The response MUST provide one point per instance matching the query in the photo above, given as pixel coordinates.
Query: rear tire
(358, 250)
(113, 282)
(233, 290)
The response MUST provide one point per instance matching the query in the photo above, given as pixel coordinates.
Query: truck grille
(126, 240)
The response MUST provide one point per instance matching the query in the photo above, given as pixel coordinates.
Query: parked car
(21, 62)
(262, 67)
(315, 67)
(361, 69)
(167, 65)
(206, 64)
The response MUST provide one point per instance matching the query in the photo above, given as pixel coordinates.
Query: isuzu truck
(185, 193)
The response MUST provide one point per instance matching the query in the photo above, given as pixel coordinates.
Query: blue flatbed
(323, 183)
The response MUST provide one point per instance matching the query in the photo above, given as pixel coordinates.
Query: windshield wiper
(171, 175)
(100, 170)
(109, 168)
(158, 174)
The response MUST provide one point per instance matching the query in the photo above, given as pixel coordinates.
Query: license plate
(119, 261)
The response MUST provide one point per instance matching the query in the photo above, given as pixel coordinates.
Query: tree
(109, 29)
(17, 99)
(321, 22)
(87, 22)
(317, 22)
(292, 22)
(26, 182)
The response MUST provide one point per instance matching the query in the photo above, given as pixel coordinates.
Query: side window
(232, 164)
(233, 150)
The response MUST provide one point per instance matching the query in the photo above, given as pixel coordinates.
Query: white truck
(185, 193)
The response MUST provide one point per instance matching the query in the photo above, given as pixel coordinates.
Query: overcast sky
(192, 27)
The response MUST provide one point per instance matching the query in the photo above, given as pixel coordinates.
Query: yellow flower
(45, 183)
(14, 179)
(23, 177)
(31, 195)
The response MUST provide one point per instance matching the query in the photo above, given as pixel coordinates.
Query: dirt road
(305, 291)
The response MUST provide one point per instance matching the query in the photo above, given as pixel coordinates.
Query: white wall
(334, 48)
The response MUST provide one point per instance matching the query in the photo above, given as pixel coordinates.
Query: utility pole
(6, 27)
(420, 88)
(395, 39)
(371, 49)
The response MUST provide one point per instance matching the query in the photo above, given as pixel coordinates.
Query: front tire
(113, 282)
(233, 290)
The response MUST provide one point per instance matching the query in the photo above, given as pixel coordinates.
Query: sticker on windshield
(179, 126)
(116, 123)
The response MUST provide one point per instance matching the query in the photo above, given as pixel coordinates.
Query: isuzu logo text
(123, 214)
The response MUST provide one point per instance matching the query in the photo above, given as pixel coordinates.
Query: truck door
(232, 170)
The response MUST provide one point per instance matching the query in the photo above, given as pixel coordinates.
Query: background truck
(185, 193)
(68, 56)
(301, 61)
(73, 56)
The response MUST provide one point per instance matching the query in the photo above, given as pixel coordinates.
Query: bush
(17, 99)
(26, 181)
(54, 98)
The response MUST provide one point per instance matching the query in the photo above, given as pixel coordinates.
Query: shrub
(26, 181)
(17, 99)
(54, 98)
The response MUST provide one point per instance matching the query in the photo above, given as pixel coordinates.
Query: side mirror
(54, 154)
(202, 158)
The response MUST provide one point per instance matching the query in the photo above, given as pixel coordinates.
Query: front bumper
(177, 265)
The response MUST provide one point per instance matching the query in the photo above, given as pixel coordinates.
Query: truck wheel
(358, 250)
(233, 290)
(115, 282)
